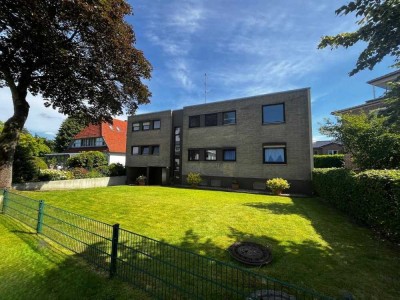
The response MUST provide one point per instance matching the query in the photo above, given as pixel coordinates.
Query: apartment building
(248, 140)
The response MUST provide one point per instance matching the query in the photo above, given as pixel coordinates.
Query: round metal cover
(250, 253)
(270, 295)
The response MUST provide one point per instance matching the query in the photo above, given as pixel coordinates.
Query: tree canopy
(379, 28)
(79, 55)
(68, 129)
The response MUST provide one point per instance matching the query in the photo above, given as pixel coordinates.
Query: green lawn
(31, 268)
(313, 244)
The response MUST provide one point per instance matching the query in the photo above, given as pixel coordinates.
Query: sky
(246, 48)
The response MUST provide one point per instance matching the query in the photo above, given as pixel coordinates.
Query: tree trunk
(10, 135)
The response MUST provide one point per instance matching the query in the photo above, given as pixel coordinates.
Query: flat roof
(383, 80)
(366, 104)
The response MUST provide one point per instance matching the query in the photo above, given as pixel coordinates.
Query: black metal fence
(162, 270)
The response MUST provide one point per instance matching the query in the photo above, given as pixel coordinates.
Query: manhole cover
(270, 295)
(250, 253)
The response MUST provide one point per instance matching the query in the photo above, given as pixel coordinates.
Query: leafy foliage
(371, 143)
(379, 27)
(277, 185)
(68, 129)
(194, 178)
(117, 169)
(329, 161)
(40, 163)
(371, 197)
(49, 175)
(87, 160)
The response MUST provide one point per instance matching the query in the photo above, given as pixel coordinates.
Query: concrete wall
(160, 137)
(248, 136)
(70, 184)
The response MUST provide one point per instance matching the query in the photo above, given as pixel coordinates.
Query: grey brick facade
(248, 136)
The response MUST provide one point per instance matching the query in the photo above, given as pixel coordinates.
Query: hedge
(371, 197)
(329, 161)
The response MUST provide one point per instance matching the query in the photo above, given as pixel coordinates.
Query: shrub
(49, 175)
(103, 170)
(277, 185)
(40, 163)
(371, 197)
(117, 169)
(94, 174)
(194, 178)
(87, 160)
(79, 173)
(329, 161)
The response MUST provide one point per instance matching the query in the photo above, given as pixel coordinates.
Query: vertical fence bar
(40, 217)
(5, 201)
(114, 250)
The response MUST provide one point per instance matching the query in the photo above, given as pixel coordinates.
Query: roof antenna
(205, 87)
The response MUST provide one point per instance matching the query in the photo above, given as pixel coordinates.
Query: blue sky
(246, 48)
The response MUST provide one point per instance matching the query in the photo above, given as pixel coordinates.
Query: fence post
(5, 201)
(40, 217)
(114, 250)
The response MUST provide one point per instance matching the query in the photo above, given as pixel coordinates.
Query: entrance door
(155, 175)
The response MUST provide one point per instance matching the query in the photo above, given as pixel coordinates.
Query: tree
(370, 142)
(68, 129)
(77, 54)
(379, 28)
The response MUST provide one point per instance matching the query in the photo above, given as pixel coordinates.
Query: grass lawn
(31, 268)
(313, 245)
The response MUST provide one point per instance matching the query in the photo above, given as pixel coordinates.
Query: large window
(76, 144)
(100, 142)
(91, 142)
(135, 150)
(135, 126)
(194, 121)
(211, 120)
(155, 150)
(275, 154)
(333, 152)
(194, 155)
(156, 124)
(273, 114)
(211, 154)
(145, 150)
(146, 125)
(229, 117)
(229, 154)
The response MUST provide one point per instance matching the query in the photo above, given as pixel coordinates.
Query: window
(135, 150)
(275, 154)
(194, 121)
(177, 130)
(156, 124)
(194, 155)
(88, 142)
(229, 154)
(100, 142)
(332, 152)
(211, 154)
(76, 144)
(146, 125)
(274, 114)
(135, 126)
(211, 120)
(229, 117)
(155, 150)
(177, 163)
(145, 150)
(177, 148)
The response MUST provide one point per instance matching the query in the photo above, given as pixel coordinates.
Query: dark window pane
(145, 150)
(135, 126)
(135, 150)
(211, 154)
(211, 119)
(274, 155)
(194, 121)
(177, 163)
(156, 150)
(230, 155)
(273, 114)
(177, 148)
(146, 125)
(156, 124)
(230, 117)
(194, 155)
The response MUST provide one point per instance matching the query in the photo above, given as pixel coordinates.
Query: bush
(94, 174)
(329, 161)
(88, 160)
(117, 169)
(194, 178)
(39, 163)
(277, 185)
(79, 173)
(50, 175)
(371, 197)
(103, 170)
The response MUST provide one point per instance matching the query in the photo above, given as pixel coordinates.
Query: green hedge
(329, 161)
(372, 197)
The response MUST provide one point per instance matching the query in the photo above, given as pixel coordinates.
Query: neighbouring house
(376, 103)
(327, 148)
(247, 140)
(104, 137)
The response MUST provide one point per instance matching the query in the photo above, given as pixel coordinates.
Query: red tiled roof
(114, 135)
